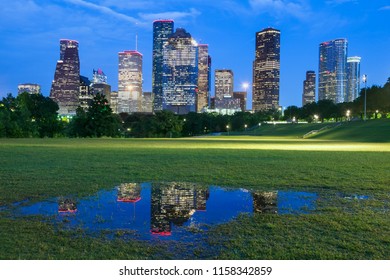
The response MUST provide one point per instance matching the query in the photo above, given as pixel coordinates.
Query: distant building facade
(204, 73)
(99, 77)
(112, 99)
(147, 102)
(162, 29)
(180, 73)
(309, 88)
(100, 86)
(30, 88)
(85, 93)
(332, 74)
(266, 70)
(66, 83)
(129, 82)
(223, 82)
(242, 96)
(353, 76)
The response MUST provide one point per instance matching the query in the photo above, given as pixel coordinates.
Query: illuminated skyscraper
(130, 82)
(204, 70)
(332, 73)
(180, 75)
(162, 29)
(241, 95)
(85, 93)
(224, 81)
(353, 75)
(309, 88)
(266, 70)
(66, 83)
(99, 77)
(30, 88)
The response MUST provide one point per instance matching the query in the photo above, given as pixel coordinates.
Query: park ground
(351, 159)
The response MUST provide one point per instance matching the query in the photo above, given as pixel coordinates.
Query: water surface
(169, 211)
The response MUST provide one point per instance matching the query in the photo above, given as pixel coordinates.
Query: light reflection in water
(168, 210)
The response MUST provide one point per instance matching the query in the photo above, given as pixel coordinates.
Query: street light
(227, 129)
(348, 114)
(365, 95)
(316, 118)
(245, 86)
(245, 126)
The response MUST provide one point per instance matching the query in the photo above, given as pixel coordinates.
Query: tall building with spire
(332, 72)
(204, 74)
(66, 83)
(129, 82)
(266, 70)
(353, 76)
(162, 29)
(180, 75)
(309, 88)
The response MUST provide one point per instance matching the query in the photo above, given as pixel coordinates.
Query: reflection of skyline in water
(175, 203)
(66, 205)
(129, 192)
(170, 210)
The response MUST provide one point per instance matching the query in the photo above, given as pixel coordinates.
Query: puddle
(169, 211)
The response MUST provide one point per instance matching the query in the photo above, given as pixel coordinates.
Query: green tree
(97, 122)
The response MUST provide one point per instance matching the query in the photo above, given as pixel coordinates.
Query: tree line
(377, 106)
(36, 116)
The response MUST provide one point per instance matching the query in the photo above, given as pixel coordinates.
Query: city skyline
(29, 49)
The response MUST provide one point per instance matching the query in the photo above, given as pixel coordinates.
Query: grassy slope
(286, 130)
(369, 131)
(39, 168)
(357, 131)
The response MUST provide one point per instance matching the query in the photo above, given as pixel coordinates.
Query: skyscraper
(332, 74)
(130, 82)
(86, 93)
(99, 77)
(266, 70)
(223, 82)
(204, 70)
(66, 83)
(162, 29)
(30, 88)
(241, 95)
(353, 76)
(180, 75)
(309, 88)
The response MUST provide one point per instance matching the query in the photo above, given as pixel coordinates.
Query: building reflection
(175, 203)
(67, 205)
(130, 192)
(265, 202)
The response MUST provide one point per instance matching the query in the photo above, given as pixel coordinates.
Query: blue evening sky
(30, 31)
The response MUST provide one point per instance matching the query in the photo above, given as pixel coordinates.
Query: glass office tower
(353, 75)
(66, 83)
(266, 70)
(162, 29)
(129, 82)
(332, 73)
(180, 73)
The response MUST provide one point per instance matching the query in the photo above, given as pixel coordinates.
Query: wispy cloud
(177, 16)
(280, 8)
(338, 2)
(130, 5)
(384, 8)
(104, 10)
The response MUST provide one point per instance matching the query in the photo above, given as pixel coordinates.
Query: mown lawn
(35, 169)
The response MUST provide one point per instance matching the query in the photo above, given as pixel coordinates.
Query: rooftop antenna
(136, 41)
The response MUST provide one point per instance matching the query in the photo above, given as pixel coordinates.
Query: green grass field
(35, 169)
